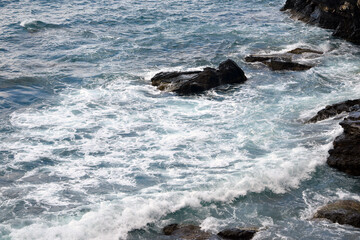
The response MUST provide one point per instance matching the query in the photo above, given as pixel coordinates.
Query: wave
(33, 26)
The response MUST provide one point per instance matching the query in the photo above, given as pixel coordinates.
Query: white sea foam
(26, 22)
(205, 149)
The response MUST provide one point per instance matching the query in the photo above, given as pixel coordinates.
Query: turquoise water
(90, 150)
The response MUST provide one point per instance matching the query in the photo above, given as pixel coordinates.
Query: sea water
(90, 150)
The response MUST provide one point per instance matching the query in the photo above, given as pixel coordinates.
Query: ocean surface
(90, 150)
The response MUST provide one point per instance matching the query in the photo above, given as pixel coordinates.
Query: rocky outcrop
(195, 233)
(341, 15)
(237, 233)
(185, 83)
(278, 62)
(187, 232)
(283, 61)
(342, 212)
(345, 156)
(333, 110)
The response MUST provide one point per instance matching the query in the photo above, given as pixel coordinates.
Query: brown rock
(186, 232)
(281, 65)
(342, 212)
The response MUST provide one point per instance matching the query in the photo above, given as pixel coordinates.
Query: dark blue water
(90, 150)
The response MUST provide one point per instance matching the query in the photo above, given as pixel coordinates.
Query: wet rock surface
(187, 232)
(276, 65)
(345, 156)
(304, 50)
(195, 233)
(186, 83)
(283, 61)
(333, 110)
(237, 233)
(342, 212)
(343, 16)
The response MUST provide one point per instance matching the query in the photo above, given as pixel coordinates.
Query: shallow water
(90, 150)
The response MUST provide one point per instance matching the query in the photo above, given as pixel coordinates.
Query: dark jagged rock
(333, 110)
(185, 83)
(282, 65)
(187, 232)
(345, 156)
(278, 62)
(342, 212)
(304, 50)
(343, 16)
(237, 233)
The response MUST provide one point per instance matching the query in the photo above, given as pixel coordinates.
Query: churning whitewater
(90, 150)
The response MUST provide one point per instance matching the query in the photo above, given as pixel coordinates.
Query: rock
(278, 62)
(169, 229)
(237, 233)
(343, 16)
(264, 58)
(185, 83)
(187, 232)
(342, 212)
(345, 156)
(304, 50)
(333, 110)
(282, 65)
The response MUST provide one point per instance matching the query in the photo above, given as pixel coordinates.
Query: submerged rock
(278, 62)
(333, 110)
(187, 232)
(345, 156)
(341, 15)
(304, 50)
(342, 212)
(186, 83)
(237, 233)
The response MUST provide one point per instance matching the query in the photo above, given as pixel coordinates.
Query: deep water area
(90, 150)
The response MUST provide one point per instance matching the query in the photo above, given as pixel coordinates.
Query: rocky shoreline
(344, 18)
(345, 156)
